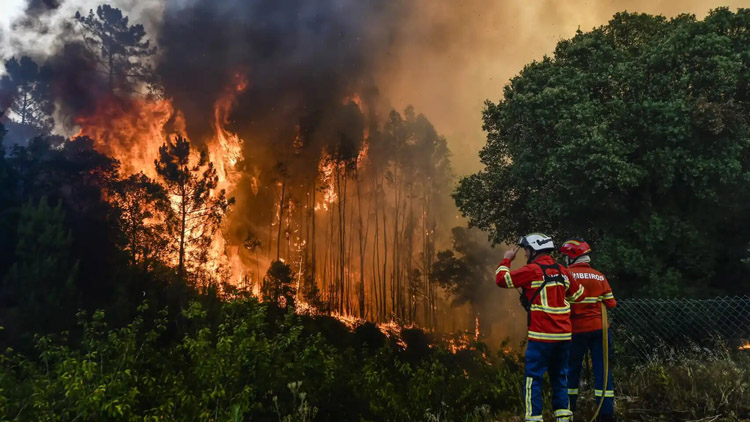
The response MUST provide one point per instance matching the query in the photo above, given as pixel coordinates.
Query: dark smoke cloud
(46, 33)
(78, 84)
(301, 58)
(35, 7)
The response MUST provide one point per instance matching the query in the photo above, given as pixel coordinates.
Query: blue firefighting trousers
(591, 341)
(544, 357)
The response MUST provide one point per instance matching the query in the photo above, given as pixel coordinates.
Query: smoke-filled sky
(445, 57)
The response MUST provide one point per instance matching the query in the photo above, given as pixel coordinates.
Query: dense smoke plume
(283, 98)
(310, 80)
(287, 95)
(302, 59)
(447, 59)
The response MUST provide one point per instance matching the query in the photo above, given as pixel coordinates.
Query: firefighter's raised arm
(508, 279)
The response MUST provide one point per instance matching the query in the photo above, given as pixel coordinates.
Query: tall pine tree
(27, 86)
(121, 49)
(197, 206)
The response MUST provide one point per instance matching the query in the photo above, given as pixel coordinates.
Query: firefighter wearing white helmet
(546, 288)
(536, 243)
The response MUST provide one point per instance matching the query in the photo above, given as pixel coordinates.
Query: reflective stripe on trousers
(591, 342)
(550, 357)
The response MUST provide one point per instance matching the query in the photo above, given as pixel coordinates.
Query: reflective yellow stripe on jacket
(590, 300)
(506, 277)
(549, 336)
(535, 284)
(545, 306)
(551, 309)
(577, 294)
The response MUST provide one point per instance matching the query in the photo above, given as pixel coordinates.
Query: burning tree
(252, 244)
(409, 170)
(197, 208)
(141, 205)
(278, 285)
(361, 199)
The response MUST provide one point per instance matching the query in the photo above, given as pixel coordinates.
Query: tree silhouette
(28, 89)
(252, 243)
(197, 208)
(40, 285)
(465, 271)
(278, 285)
(122, 48)
(8, 193)
(451, 273)
(141, 204)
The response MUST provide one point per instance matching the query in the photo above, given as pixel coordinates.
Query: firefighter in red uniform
(586, 318)
(546, 285)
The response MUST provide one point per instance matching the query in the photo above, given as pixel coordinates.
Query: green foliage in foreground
(634, 135)
(247, 361)
(242, 360)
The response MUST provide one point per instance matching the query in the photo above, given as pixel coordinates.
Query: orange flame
(476, 328)
(326, 169)
(131, 131)
(225, 150)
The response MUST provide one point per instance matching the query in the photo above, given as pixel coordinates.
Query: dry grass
(707, 385)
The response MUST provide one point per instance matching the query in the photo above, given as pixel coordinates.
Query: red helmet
(575, 248)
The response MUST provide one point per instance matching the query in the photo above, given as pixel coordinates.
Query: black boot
(606, 418)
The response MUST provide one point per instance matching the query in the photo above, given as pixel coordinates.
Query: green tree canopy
(635, 136)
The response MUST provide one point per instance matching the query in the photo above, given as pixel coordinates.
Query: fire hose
(605, 348)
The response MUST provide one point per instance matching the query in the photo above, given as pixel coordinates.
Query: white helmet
(537, 242)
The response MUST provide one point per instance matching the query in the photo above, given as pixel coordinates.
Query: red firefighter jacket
(550, 311)
(587, 313)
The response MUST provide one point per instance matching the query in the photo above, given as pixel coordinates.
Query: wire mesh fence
(644, 328)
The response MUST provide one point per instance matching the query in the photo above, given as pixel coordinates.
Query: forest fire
(327, 168)
(236, 198)
(131, 130)
(242, 159)
(226, 147)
